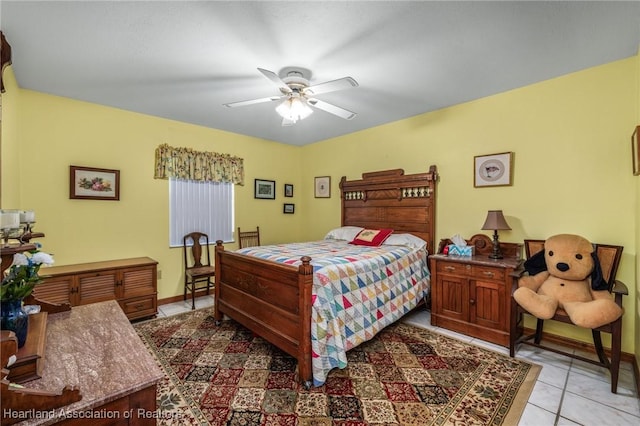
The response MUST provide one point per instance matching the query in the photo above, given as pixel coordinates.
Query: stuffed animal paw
(539, 305)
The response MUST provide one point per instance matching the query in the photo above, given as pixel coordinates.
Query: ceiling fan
(297, 95)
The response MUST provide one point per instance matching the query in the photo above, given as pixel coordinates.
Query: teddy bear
(567, 275)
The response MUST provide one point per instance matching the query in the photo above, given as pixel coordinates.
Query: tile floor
(568, 391)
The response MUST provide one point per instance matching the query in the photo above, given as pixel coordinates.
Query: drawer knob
(467, 266)
(472, 302)
(488, 273)
(450, 268)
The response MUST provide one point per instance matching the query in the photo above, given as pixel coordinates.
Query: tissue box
(455, 250)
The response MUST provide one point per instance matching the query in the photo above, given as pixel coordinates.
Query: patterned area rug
(224, 375)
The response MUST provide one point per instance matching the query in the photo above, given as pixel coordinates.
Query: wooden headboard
(391, 199)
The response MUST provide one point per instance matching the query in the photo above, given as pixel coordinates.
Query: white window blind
(200, 206)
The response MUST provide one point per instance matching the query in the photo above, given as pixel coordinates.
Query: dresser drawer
(139, 307)
(489, 273)
(454, 268)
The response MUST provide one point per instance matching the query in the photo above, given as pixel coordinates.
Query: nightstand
(472, 294)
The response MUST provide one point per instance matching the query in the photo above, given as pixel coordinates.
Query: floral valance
(185, 163)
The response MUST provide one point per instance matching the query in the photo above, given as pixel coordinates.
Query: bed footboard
(272, 300)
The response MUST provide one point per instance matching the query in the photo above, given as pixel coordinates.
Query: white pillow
(405, 240)
(343, 233)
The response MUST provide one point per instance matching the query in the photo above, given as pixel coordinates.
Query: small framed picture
(322, 186)
(288, 190)
(90, 183)
(289, 208)
(492, 170)
(265, 189)
(635, 151)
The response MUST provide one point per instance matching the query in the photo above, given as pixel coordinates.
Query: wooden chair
(249, 238)
(609, 257)
(198, 271)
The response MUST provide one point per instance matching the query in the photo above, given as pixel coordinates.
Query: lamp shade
(294, 108)
(495, 220)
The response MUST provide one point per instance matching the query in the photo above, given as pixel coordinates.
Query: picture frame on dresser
(92, 183)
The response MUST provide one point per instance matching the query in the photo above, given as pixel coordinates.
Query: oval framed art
(493, 169)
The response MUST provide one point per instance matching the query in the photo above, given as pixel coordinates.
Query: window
(200, 206)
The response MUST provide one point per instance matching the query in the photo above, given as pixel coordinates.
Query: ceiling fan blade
(331, 86)
(253, 101)
(276, 80)
(332, 109)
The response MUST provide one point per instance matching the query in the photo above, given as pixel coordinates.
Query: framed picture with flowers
(90, 183)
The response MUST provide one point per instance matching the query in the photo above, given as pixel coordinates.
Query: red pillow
(371, 237)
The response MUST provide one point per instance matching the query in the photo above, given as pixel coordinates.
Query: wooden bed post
(217, 315)
(305, 286)
(433, 176)
(342, 200)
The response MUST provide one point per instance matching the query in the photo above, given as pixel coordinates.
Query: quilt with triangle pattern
(357, 291)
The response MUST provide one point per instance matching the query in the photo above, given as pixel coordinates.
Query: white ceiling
(183, 60)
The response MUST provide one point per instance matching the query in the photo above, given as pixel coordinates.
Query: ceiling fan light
(294, 109)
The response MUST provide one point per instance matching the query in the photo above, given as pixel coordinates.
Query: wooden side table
(471, 294)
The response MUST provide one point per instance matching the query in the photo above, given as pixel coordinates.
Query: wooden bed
(274, 300)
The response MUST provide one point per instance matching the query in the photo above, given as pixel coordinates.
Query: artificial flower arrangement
(22, 276)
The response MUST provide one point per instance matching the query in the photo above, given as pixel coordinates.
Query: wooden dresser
(131, 282)
(471, 294)
(96, 350)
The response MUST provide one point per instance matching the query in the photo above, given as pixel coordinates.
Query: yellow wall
(56, 132)
(570, 136)
(9, 165)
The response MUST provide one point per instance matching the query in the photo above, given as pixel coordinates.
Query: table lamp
(495, 221)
